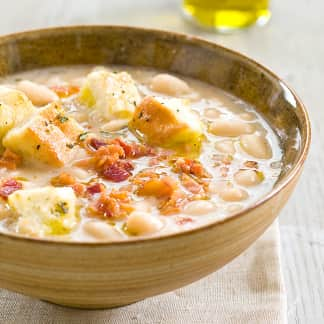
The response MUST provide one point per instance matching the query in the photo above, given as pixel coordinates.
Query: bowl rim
(194, 40)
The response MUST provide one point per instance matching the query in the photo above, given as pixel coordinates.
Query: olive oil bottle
(226, 15)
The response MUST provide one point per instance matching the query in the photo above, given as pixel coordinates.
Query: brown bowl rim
(196, 40)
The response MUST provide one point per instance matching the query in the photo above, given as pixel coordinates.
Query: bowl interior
(177, 53)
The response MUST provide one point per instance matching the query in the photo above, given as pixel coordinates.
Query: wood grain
(292, 45)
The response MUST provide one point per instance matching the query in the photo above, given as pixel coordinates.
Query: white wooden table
(293, 46)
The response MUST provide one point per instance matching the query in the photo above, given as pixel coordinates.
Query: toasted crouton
(168, 123)
(56, 115)
(14, 108)
(39, 140)
(44, 211)
(110, 95)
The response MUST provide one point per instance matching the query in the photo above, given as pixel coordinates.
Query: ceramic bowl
(101, 275)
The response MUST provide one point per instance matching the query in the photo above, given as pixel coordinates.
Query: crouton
(44, 211)
(15, 107)
(110, 95)
(56, 115)
(39, 140)
(168, 123)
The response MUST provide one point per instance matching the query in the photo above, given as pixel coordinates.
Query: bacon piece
(79, 189)
(8, 187)
(119, 171)
(63, 179)
(184, 220)
(95, 143)
(64, 91)
(174, 203)
(134, 150)
(191, 184)
(116, 204)
(10, 160)
(188, 166)
(95, 188)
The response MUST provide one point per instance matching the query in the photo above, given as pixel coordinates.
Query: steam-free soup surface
(113, 153)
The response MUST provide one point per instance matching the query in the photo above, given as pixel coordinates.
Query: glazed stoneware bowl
(100, 275)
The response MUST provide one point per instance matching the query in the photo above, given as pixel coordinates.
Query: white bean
(79, 173)
(114, 125)
(199, 207)
(231, 193)
(101, 231)
(256, 146)
(169, 84)
(38, 94)
(248, 177)
(140, 223)
(212, 113)
(225, 146)
(247, 116)
(231, 128)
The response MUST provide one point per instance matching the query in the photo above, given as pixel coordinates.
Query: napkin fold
(248, 290)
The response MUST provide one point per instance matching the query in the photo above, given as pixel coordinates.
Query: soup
(115, 153)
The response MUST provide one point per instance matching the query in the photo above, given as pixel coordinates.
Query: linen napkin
(248, 290)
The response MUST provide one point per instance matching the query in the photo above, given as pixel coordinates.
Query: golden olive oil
(226, 15)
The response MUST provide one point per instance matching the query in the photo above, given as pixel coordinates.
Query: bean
(38, 94)
(101, 231)
(169, 84)
(231, 128)
(212, 113)
(231, 193)
(199, 207)
(79, 173)
(140, 223)
(225, 146)
(248, 178)
(248, 116)
(114, 125)
(256, 146)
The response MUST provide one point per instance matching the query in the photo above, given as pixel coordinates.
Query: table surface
(292, 44)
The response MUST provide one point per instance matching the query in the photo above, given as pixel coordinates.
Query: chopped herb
(70, 145)
(83, 136)
(62, 119)
(123, 91)
(38, 147)
(62, 207)
(134, 103)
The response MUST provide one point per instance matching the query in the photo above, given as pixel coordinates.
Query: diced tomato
(8, 187)
(64, 91)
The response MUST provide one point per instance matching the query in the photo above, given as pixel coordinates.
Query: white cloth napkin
(248, 290)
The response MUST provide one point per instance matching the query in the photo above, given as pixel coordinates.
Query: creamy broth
(237, 163)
